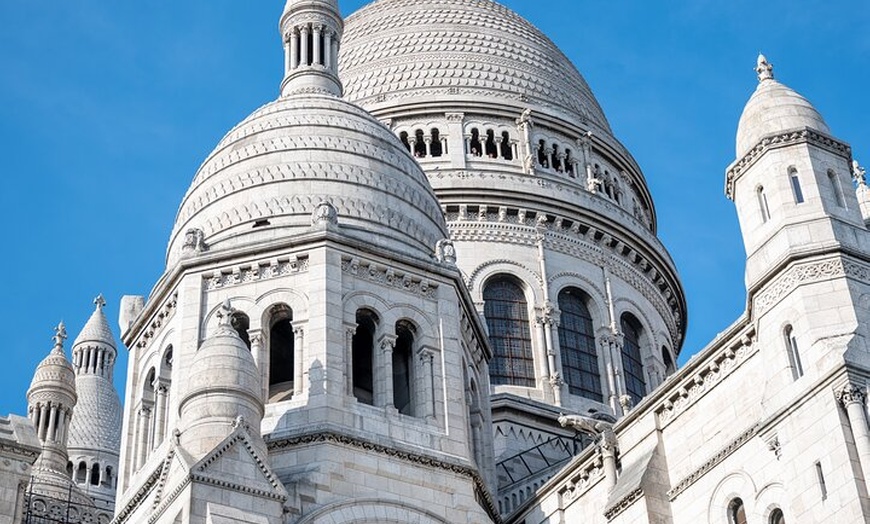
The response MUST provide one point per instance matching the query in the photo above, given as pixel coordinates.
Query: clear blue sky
(108, 108)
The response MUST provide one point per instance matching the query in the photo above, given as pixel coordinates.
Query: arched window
(82, 473)
(436, 148)
(763, 208)
(403, 136)
(569, 162)
(403, 368)
(491, 148)
(282, 354)
(362, 354)
(95, 475)
(419, 144)
(543, 161)
(670, 368)
(632, 365)
(776, 517)
(836, 189)
(507, 317)
(555, 161)
(107, 479)
(69, 469)
(795, 186)
(507, 151)
(577, 344)
(241, 323)
(475, 147)
(794, 357)
(736, 512)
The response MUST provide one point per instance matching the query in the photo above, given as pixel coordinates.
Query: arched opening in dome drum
(507, 150)
(577, 345)
(632, 363)
(69, 469)
(555, 159)
(507, 317)
(419, 144)
(95, 475)
(82, 473)
(403, 368)
(241, 323)
(569, 163)
(403, 136)
(362, 352)
(491, 147)
(282, 353)
(543, 161)
(107, 478)
(474, 146)
(437, 149)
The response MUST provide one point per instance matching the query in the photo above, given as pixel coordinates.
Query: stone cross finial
(100, 302)
(225, 314)
(59, 335)
(859, 173)
(764, 68)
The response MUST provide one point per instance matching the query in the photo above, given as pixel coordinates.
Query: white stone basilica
(424, 286)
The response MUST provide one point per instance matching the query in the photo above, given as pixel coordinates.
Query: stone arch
(296, 301)
(490, 268)
(566, 279)
(357, 300)
(371, 511)
(738, 484)
(627, 305)
(426, 333)
(770, 498)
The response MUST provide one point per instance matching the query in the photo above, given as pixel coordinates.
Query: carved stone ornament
(324, 214)
(445, 252)
(851, 394)
(194, 242)
(859, 174)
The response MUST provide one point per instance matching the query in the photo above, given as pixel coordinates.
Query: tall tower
(95, 431)
(311, 296)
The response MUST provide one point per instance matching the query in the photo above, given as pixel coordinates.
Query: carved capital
(851, 394)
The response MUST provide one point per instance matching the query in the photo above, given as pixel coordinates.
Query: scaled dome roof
(411, 51)
(267, 176)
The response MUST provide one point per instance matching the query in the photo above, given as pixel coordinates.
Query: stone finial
(763, 68)
(445, 252)
(59, 336)
(194, 242)
(325, 214)
(100, 302)
(859, 174)
(225, 316)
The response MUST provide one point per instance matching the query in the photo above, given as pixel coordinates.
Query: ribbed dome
(96, 421)
(54, 373)
(774, 108)
(407, 51)
(269, 174)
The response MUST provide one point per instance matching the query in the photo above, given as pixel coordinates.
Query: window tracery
(507, 317)
(632, 363)
(577, 345)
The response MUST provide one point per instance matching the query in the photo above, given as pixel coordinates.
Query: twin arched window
(632, 365)
(577, 344)
(507, 317)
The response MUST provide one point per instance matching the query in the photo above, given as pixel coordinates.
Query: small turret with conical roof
(95, 432)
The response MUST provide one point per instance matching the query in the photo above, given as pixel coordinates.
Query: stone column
(43, 421)
(335, 52)
(852, 398)
(444, 151)
(499, 149)
(303, 55)
(161, 389)
(327, 44)
(541, 351)
(384, 372)
(52, 423)
(318, 50)
(607, 447)
(261, 359)
(294, 49)
(556, 380)
(349, 331)
(144, 416)
(428, 141)
(427, 359)
(298, 360)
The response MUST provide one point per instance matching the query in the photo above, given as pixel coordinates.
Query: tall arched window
(419, 144)
(507, 317)
(764, 209)
(543, 161)
(795, 181)
(736, 512)
(776, 517)
(491, 147)
(403, 136)
(362, 349)
(282, 354)
(577, 344)
(474, 144)
(632, 365)
(507, 151)
(836, 189)
(403, 368)
(436, 148)
(794, 356)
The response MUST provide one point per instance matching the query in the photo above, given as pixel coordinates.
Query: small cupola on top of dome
(773, 109)
(94, 349)
(311, 31)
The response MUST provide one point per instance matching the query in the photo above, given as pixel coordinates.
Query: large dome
(269, 174)
(423, 51)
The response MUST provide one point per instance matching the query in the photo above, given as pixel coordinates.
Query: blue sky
(108, 108)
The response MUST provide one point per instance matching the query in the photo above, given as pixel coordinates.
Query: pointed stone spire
(94, 348)
(311, 31)
(764, 68)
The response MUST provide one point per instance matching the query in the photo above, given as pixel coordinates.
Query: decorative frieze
(691, 389)
(623, 504)
(158, 320)
(586, 475)
(711, 463)
(807, 273)
(381, 274)
(255, 272)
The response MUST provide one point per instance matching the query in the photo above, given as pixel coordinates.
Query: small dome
(55, 372)
(428, 51)
(772, 109)
(223, 363)
(267, 177)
